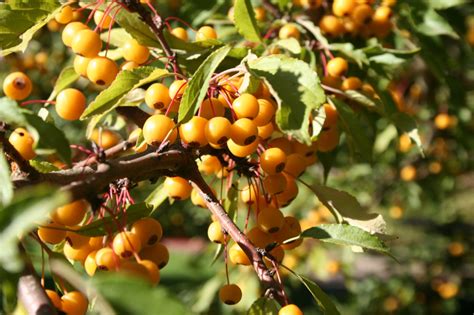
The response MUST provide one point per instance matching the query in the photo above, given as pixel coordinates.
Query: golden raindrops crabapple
(152, 269)
(243, 132)
(148, 230)
(246, 106)
(17, 86)
(133, 51)
(205, 33)
(180, 33)
(157, 96)
(53, 296)
(270, 219)
(105, 138)
(331, 25)
(70, 30)
(102, 71)
(193, 133)
(217, 130)
(74, 302)
(230, 294)
(337, 67)
(71, 214)
(177, 188)
(86, 43)
(214, 232)
(52, 233)
(80, 65)
(158, 128)
(272, 161)
(289, 30)
(343, 7)
(290, 309)
(211, 107)
(106, 259)
(237, 256)
(157, 253)
(23, 142)
(70, 104)
(126, 243)
(65, 15)
(104, 22)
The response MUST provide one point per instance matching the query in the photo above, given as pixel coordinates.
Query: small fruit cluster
(136, 251)
(354, 17)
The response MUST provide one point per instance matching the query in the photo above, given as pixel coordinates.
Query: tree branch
(157, 25)
(270, 284)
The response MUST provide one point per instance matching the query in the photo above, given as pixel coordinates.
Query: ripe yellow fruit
(70, 104)
(337, 67)
(181, 33)
(230, 294)
(289, 30)
(206, 32)
(71, 214)
(290, 309)
(104, 22)
(133, 51)
(408, 173)
(158, 128)
(102, 70)
(86, 43)
(65, 15)
(17, 86)
(105, 138)
(126, 243)
(23, 142)
(70, 31)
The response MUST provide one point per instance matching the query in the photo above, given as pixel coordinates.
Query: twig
(271, 286)
(157, 25)
(270, 7)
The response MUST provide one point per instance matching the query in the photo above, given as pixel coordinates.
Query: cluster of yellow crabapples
(242, 123)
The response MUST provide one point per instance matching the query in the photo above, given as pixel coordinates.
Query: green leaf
(359, 142)
(51, 138)
(29, 206)
(132, 295)
(116, 37)
(314, 30)
(297, 89)
(6, 188)
(108, 224)
(362, 99)
(345, 205)
(324, 302)
(435, 25)
(138, 29)
(290, 44)
(244, 17)
(20, 20)
(10, 113)
(445, 4)
(347, 50)
(197, 87)
(126, 81)
(157, 197)
(345, 234)
(67, 77)
(263, 306)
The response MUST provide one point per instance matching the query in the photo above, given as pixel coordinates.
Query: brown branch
(14, 156)
(271, 286)
(30, 291)
(157, 25)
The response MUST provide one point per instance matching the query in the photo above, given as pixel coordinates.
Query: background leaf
(244, 19)
(263, 306)
(345, 234)
(29, 207)
(67, 77)
(128, 295)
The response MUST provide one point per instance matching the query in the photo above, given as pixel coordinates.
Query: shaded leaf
(324, 302)
(263, 306)
(435, 25)
(20, 20)
(51, 138)
(10, 113)
(43, 166)
(345, 234)
(133, 295)
(6, 186)
(406, 123)
(196, 89)
(244, 17)
(297, 89)
(28, 207)
(343, 204)
(359, 142)
(110, 225)
(67, 77)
